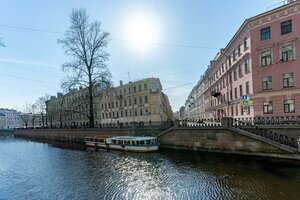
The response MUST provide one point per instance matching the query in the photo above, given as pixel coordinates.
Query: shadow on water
(276, 166)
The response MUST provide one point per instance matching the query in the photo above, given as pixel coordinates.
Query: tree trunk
(91, 99)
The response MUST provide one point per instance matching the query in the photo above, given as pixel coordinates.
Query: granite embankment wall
(212, 139)
(221, 140)
(76, 135)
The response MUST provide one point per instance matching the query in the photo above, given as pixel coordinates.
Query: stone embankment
(220, 138)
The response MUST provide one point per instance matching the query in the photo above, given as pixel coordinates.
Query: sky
(173, 40)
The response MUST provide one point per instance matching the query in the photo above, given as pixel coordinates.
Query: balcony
(215, 93)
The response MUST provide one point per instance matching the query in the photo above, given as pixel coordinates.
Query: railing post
(226, 121)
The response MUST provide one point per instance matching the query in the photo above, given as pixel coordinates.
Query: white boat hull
(124, 147)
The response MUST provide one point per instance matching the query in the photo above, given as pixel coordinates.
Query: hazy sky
(184, 35)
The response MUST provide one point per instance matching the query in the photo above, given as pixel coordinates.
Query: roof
(135, 138)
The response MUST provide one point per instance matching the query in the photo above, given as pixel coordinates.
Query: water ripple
(31, 170)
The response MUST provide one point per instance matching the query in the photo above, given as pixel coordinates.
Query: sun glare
(141, 31)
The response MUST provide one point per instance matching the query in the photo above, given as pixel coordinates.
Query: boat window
(147, 142)
(142, 142)
(96, 140)
(113, 141)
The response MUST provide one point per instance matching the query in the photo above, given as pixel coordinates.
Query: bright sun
(142, 31)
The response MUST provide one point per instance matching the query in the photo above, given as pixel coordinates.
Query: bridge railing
(267, 134)
(212, 122)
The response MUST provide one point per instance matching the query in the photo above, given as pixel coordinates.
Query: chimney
(121, 83)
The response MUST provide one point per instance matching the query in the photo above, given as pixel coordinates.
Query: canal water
(36, 170)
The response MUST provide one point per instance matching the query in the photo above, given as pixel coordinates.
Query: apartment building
(139, 101)
(256, 73)
(276, 60)
(10, 118)
(2, 121)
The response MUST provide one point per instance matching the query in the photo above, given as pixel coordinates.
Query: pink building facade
(260, 64)
(276, 61)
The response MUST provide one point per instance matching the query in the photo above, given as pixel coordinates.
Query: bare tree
(25, 114)
(85, 42)
(40, 105)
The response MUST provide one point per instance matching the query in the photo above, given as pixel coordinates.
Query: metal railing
(267, 134)
(200, 123)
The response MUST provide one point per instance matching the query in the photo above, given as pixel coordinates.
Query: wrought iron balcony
(215, 93)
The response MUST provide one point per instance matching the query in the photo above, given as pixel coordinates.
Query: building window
(247, 87)
(121, 113)
(129, 90)
(135, 101)
(268, 107)
(234, 74)
(286, 27)
(130, 102)
(267, 83)
(146, 99)
(239, 50)
(287, 53)
(246, 66)
(288, 80)
(266, 58)
(135, 112)
(231, 95)
(124, 90)
(117, 104)
(141, 112)
(233, 56)
(241, 90)
(126, 114)
(289, 106)
(229, 60)
(153, 87)
(145, 86)
(125, 102)
(265, 33)
(245, 44)
(134, 88)
(235, 93)
(141, 100)
(240, 71)
(140, 88)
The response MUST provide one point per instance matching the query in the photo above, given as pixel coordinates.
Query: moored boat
(124, 143)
